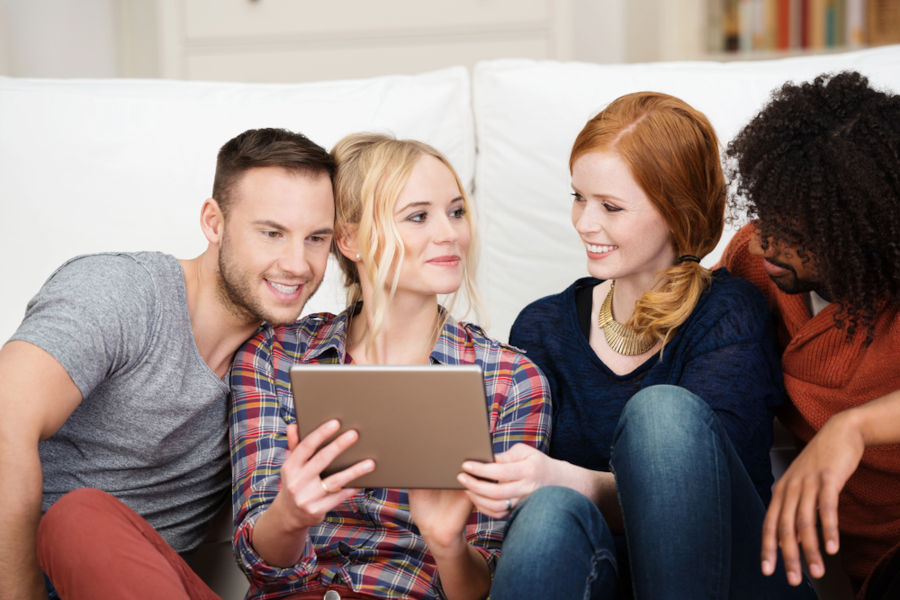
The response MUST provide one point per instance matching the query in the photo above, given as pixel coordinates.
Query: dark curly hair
(819, 168)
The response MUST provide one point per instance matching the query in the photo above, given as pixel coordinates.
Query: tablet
(419, 423)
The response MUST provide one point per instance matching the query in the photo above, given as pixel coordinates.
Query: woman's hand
(441, 517)
(513, 476)
(304, 496)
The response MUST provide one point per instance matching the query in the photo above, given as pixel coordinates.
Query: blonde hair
(372, 170)
(672, 152)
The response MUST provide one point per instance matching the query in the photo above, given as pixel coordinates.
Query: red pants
(93, 546)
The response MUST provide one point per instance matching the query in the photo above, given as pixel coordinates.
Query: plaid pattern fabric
(369, 543)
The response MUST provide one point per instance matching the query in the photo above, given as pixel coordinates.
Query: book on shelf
(788, 25)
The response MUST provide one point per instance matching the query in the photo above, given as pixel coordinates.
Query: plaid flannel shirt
(368, 543)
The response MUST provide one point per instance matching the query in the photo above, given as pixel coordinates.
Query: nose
(447, 231)
(294, 261)
(586, 217)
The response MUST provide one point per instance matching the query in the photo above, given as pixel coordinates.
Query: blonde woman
(664, 379)
(403, 235)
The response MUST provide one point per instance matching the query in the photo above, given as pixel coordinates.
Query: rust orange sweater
(825, 374)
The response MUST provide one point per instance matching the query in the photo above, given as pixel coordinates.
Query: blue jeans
(557, 545)
(693, 518)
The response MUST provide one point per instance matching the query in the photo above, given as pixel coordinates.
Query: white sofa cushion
(527, 114)
(125, 164)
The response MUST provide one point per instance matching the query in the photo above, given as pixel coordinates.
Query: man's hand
(812, 483)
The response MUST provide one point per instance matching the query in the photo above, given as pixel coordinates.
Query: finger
(518, 452)
(787, 535)
(293, 436)
(329, 502)
(488, 506)
(494, 471)
(828, 515)
(488, 489)
(319, 461)
(345, 477)
(307, 446)
(769, 553)
(806, 528)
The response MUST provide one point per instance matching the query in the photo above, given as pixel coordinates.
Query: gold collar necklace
(623, 340)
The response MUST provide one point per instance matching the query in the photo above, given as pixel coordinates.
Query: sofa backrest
(99, 165)
(527, 114)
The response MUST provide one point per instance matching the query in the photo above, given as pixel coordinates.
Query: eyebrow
(424, 204)
(279, 227)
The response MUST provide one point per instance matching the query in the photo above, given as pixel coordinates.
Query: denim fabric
(693, 518)
(51, 591)
(557, 545)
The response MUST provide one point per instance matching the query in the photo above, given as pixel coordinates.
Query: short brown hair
(268, 147)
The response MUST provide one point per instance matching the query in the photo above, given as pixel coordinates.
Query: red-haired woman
(664, 378)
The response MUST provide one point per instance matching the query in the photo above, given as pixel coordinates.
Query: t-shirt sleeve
(95, 315)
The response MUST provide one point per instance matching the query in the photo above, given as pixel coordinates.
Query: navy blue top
(725, 353)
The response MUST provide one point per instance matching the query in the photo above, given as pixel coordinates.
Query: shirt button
(331, 595)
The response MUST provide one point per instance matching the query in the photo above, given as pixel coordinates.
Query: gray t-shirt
(152, 426)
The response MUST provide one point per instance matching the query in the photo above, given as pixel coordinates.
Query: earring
(357, 256)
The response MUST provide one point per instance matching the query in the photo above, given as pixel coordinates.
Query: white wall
(58, 38)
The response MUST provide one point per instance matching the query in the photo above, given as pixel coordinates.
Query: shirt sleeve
(520, 413)
(259, 413)
(95, 315)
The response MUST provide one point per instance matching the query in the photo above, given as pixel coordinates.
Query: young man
(819, 169)
(114, 381)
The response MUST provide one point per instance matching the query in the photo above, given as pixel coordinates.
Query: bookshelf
(767, 28)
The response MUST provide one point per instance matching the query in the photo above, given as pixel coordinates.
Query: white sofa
(125, 164)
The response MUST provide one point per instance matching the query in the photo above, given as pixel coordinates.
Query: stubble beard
(235, 290)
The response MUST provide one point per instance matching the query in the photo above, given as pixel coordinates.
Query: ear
(347, 243)
(212, 221)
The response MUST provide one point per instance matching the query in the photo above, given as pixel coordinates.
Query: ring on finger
(509, 504)
(325, 487)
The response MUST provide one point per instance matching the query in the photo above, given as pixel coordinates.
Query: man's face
(275, 243)
(791, 269)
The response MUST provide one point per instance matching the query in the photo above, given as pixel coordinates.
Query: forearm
(876, 422)
(463, 571)
(599, 486)
(20, 495)
(276, 540)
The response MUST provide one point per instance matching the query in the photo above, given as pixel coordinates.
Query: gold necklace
(623, 340)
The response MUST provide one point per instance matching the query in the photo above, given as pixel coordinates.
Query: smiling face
(430, 216)
(624, 236)
(791, 269)
(274, 244)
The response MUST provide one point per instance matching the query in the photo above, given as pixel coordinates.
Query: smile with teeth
(600, 248)
(284, 289)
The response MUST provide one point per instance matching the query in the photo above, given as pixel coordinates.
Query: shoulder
(123, 270)
(547, 312)
(496, 356)
(731, 306)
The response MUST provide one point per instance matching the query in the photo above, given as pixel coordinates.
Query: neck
(628, 292)
(218, 332)
(406, 335)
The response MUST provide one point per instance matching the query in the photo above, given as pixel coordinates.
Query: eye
(417, 217)
(458, 213)
(272, 235)
(611, 207)
(318, 239)
(576, 197)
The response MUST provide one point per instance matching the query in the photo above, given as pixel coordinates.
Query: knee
(667, 414)
(73, 517)
(554, 514)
